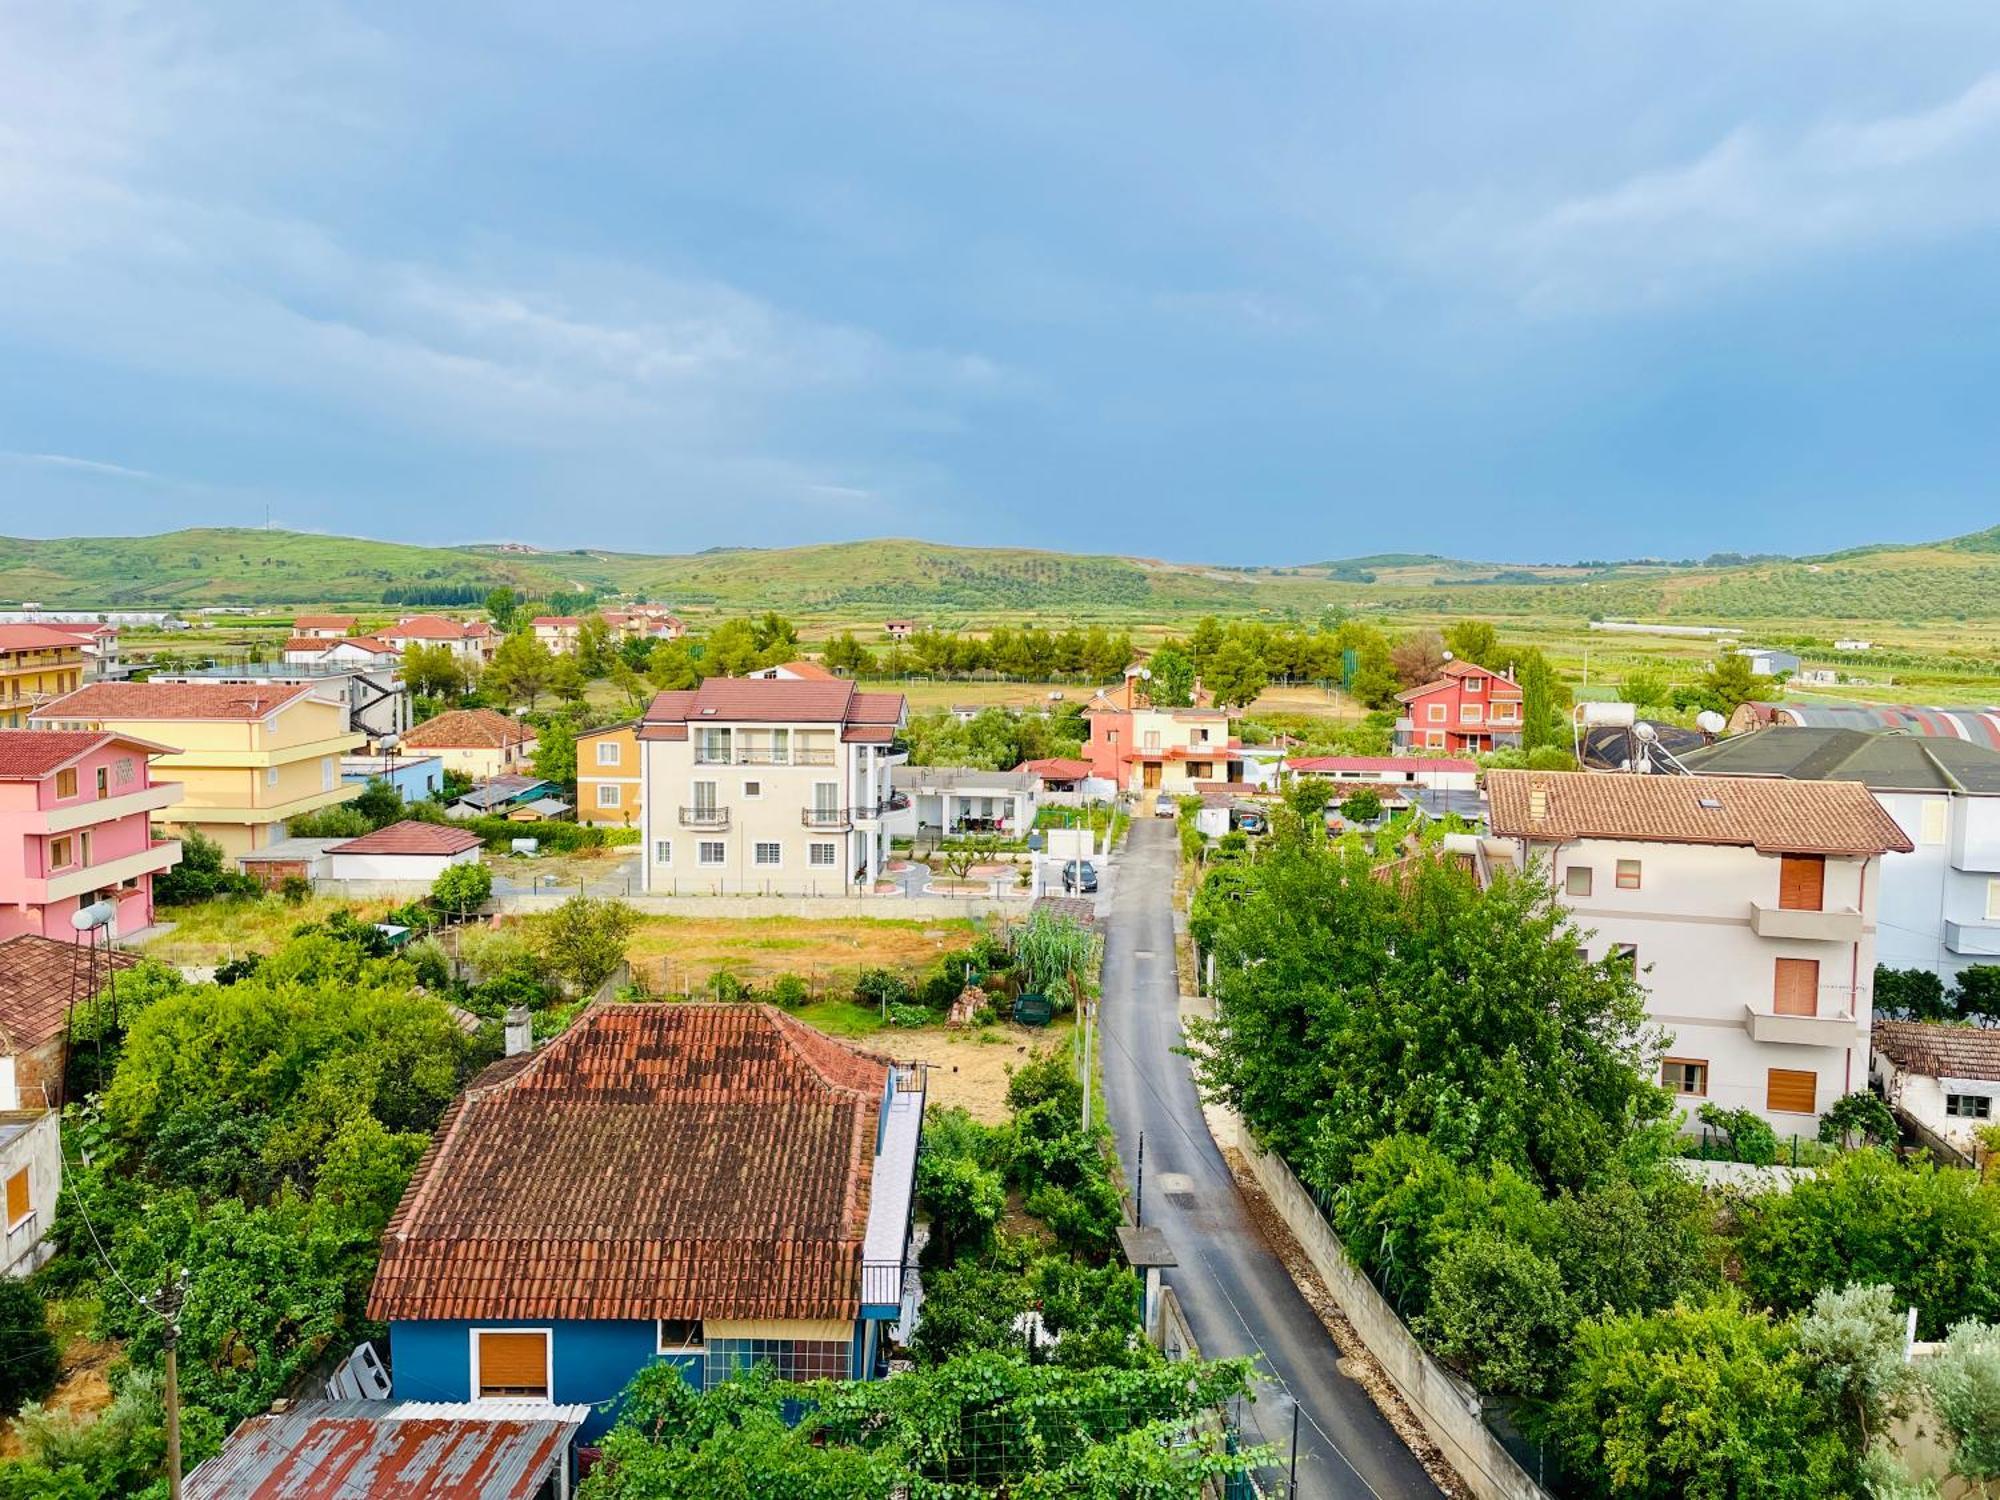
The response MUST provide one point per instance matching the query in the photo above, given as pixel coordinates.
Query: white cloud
(84, 466)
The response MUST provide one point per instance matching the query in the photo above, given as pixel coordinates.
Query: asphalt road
(1238, 1298)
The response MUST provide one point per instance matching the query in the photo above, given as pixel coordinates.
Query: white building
(1749, 907)
(1940, 901)
(30, 1178)
(377, 703)
(409, 851)
(1433, 773)
(1945, 1078)
(343, 651)
(753, 785)
(953, 801)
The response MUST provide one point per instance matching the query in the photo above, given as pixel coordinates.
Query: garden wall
(910, 908)
(1447, 1407)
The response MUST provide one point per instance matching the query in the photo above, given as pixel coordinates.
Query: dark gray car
(1080, 875)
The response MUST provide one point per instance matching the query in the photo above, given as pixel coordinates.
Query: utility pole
(1139, 1192)
(168, 1306)
(1086, 1069)
(1292, 1486)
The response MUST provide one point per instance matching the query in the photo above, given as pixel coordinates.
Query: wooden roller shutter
(1796, 991)
(19, 1204)
(1793, 1091)
(513, 1364)
(1802, 882)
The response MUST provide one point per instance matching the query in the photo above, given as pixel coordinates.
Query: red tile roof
(1503, 688)
(38, 976)
(558, 620)
(468, 729)
(322, 644)
(809, 671)
(724, 700)
(172, 700)
(36, 638)
(1378, 763)
(1772, 816)
(1056, 768)
(411, 836)
(654, 1161)
(31, 754)
(1939, 1051)
(324, 622)
(434, 628)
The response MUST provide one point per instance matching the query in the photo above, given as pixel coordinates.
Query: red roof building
(1469, 710)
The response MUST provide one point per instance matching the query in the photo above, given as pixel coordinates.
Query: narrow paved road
(1238, 1297)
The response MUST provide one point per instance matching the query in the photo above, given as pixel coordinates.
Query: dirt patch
(82, 1388)
(1355, 1360)
(673, 954)
(969, 1068)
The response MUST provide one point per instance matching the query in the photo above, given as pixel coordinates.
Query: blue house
(716, 1186)
(415, 777)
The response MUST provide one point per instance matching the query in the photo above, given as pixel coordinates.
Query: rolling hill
(1955, 579)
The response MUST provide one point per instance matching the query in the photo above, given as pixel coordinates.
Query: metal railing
(827, 817)
(704, 817)
(882, 1283)
(764, 757)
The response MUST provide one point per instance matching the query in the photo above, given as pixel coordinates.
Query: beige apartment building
(751, 785)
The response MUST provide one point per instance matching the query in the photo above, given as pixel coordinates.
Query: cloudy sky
(1245, 282)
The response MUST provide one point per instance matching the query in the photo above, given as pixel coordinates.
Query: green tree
(1729, 683)
(1696, 1402)
(1963, 1382)
(1910, 995)
(555, 753)
(1858, 1119)
(200, 875)
(342, 821)
(1364, 806)
(380, 803)
(594, 650)
(1646, 688)
(1545, 700)
(459, 889)
(433, 671)
(566, 679)
(1976, 994)
(1474, 641)
(583, 940)
(1235, 676)
(27, 1348)
(521, 672)
(847, 655)
(1499, 1315)
(1172, 684)
(1852, 1340)
(731, 649)
(502, 606)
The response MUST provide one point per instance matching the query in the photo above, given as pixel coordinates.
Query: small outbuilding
(406, 851)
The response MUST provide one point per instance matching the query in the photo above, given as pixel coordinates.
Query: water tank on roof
(1621, 714)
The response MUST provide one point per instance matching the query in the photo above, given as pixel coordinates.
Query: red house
(1467, 711)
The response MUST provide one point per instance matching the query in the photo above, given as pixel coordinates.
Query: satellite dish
(1645, 733)
(90, 918)
(1710, 722)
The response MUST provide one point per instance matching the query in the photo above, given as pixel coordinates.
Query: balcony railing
(827, 817)
(882, 1283)
(796, 756)
(704, 817)
(894, 802)
(1831, 925)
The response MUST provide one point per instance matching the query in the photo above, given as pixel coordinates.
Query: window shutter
(1802, 882)
(18, 1202)
(513, 1364)
(1796, 991)
(1792, 1091)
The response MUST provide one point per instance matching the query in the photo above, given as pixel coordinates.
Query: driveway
(1238, 1297)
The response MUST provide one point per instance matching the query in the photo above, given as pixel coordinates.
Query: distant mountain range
(1954, 579)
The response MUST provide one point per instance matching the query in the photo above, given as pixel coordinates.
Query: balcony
(96, 810)
(1827, 1029)
(896, 750)
(158, 855)
(827, 817)
(764, 756)
(704, 817)
(1833, 925)
(1974, 939)
(882, 1284)
(894, 802)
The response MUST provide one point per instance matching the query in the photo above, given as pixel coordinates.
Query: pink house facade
(75, 827)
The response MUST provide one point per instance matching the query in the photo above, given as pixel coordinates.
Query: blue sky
(1255, 282)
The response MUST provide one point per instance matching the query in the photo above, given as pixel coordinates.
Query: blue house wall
(414, 777)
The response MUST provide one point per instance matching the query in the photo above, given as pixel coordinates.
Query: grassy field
(213, 932)
(680, 954)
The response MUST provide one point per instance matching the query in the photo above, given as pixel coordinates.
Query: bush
(1751, 1138)
(1046, 1075)
(1963, 1379)
(583, 941)
(1499, 1315)
(338, 822)
(880, 987)
(969, 1307)
(964, 1201)
(200, 876)
(1853, 1340)
(27, 1348)
(790, 991)
(1858, 1119)
(294, 889)
(460, 888)
(553, 838)
(909, 1016)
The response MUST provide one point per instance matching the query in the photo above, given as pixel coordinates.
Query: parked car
(1164, 806)
(1079, 875)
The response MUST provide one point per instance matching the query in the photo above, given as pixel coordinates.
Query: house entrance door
(1150, 778)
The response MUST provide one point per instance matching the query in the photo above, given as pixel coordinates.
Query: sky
(1248, 282)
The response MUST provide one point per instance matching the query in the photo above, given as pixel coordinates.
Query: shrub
(1627, 1246)
(1084, 1218)
(294, 889)
(460, 888)
(200, 875)
(963, 1199)
(583, 941)
(1046, 1075)
(337, 822)
(790, 991)
(1858, 1118)
(909, 1016)
(27, 1348)
(1963, 1381)
(1853, 1340)
(1751, 1139)
(969, 1307)
(881, 987)
(1499, 1315)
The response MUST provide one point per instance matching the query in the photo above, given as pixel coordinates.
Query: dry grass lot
(678, 953)
(969, 1068)
(212, 932)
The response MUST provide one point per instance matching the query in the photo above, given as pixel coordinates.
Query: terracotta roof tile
(725, 700)
(808, 671)
(1312, 764)
(36, 981)
(323, 622)
(36, 638)
(30, 754)
(172, 700)
(1776, 817)
(654, 1161)
(468, 729)
(1056, 768)
(1940, 1051)
(411, 836)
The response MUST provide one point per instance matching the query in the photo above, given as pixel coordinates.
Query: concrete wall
(1446, 1406)
(396, 869)
(896, 908)
(39, 1149)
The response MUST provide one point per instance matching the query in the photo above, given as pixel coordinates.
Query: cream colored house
(478, 742)
(760, 785)
(247, 757)
(608, 776)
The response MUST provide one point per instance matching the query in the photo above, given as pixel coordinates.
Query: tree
(1235, 677)
(433, 671)
(1976, 995)
(566, 679)
(462, 888)
(1545, 700)
(1910, 995)
(522, 670)
(1417, 658)
(594, 651)
(847, 655)
(1645, 687)
(775, 634)
(1853, 1341)
(1858, 1119)
(502, 605)
(555, 753)
(200, 875)
(1172, 684)
(1963, 1382)
(380, 803)
(1729, 683)
(1499, 1315)
(1697, 1400)
(1474, 641)
(1364, 806)
(27, 1348)
(341, 821)
(583, 941)
(731, 649)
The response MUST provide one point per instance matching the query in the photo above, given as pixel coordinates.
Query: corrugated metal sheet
(383, 1450)
(1974, 725)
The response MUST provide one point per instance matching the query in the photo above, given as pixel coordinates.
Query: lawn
(212, 932)
(679, 954)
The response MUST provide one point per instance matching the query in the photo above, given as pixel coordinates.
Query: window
(1471, 713)
(1802, 882)
(1791, 1091)
(1623, 953)
(20, 1203)
(663, 851)
(83, 847)
(1434, 738)
(1684, 1075)
(680, 1336)
(1436, 711)
(823, 856)
(66, 782)
(1628, 875)
(1199, 770)
(767, 854)
(752, 790)
(607, 793)
(270, 776)
(710, 851)
(103, 781)
(62, 853)
(1993, 900)
(1795, 990)
(1152, 739)
(1933, 826)
(1958, 1106)
(1576, 880)
(704, 798)
(510, 1364)
(609, 752)
(1473, 685)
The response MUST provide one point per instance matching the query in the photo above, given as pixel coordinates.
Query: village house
(1944, 1080)
(1066, 780)
(410, 851)
(322, 627)
(1468, 710)
(37, 663)
(76, 811)
(712, 1186)
(755, 785)
(245, 758)
(374, 697)
(415, 778)
(1749, 907)
(1940, 902)
(899, 630)
(478, 742)
(954, 801)
(645, 622)
(1429, 772)
(1140, 748)
(30, 1178)
(471, 641)
(343, 651)
(559, 633)
(608, 779)
(796, 671)
(99, 642)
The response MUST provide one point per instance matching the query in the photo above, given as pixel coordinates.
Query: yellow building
(478, 742)
(248, 757)
(608, 777)
(37, 663)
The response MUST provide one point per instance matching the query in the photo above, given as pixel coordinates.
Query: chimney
(520, 1030)
(1538, 803)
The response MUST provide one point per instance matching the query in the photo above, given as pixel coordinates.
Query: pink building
(75, 815)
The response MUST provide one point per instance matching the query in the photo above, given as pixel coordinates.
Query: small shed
(273, 864)
(405, 851)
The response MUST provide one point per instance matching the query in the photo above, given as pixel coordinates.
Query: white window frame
(548, 1334)
(1589, 874)
(615, 794)
(610, 753)
(1474, 684)
(663, 851)
(753, 790)
(757, 860)
(721, 849)
(1436, 712)
(1471, 713)
(832, 860)
(661, 1346)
